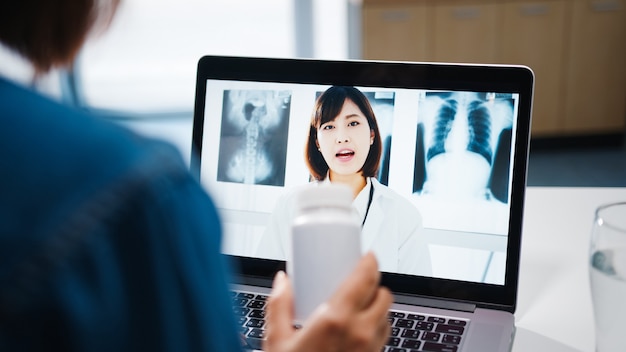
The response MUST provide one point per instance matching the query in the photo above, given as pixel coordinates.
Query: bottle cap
(324, 195)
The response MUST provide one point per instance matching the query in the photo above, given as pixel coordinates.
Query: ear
(372, 137)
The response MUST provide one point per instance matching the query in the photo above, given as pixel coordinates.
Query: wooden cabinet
(596, 71)
(396, 31)
(464, 31)
(577, 49)
(532, 34)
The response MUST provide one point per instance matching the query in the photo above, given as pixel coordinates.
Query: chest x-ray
(464, 141)
(461, 180)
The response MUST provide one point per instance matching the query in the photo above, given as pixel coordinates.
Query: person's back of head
(49, 33)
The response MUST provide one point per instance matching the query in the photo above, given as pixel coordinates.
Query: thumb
(280, 311)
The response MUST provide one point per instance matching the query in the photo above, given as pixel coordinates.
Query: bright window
(146, 61)
(144, 65)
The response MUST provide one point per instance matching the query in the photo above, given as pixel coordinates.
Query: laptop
(455, 146)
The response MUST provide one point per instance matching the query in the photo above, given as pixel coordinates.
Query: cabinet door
(396, 32)
(532, 34)
(596, 88)
(465, 32)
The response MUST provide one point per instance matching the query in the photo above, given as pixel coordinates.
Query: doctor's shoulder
(399, 205)
(285, 206)
(274, 241)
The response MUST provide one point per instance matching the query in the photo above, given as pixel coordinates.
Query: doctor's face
(345, 141)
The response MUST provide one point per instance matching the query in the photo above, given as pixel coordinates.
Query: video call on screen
(448, 152)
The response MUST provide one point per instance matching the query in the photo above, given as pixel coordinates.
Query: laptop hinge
(435, 303)
(252, 280)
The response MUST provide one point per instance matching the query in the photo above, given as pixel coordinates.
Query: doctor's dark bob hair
(327, 107)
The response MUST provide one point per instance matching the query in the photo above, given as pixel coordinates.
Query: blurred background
(141, 72)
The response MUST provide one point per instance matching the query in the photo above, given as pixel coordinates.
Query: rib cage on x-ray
(479, 128)
(468, 122)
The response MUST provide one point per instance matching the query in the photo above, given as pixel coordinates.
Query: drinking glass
(607, 275)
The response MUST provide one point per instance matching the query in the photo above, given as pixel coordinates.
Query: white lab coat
(392, 230)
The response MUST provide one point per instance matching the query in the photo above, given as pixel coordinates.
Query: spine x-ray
(253, 137)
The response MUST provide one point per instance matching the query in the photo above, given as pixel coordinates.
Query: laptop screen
(449, 163)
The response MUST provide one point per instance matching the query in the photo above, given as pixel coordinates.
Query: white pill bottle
(325, 245)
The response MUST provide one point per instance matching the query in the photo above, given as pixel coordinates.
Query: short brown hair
(327, 106)
(50, 32)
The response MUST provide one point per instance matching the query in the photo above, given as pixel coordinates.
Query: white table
(554, 311)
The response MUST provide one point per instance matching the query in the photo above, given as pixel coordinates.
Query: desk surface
(554, 311)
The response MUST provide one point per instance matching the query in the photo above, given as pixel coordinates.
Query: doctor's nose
(342, 136)
(343, 139)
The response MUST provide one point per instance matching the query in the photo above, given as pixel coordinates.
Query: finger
(376, 315)
(361, 286)
(382, 336)
(380, 305)
(280, 312)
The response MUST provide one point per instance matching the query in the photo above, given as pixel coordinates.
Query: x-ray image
(383, 104)
(463, 145)
(253, 137)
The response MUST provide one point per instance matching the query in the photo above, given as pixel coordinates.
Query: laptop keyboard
(421, 332)
(249, 309)
(409, 331)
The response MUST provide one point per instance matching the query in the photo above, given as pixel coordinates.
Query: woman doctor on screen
(344, 146)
